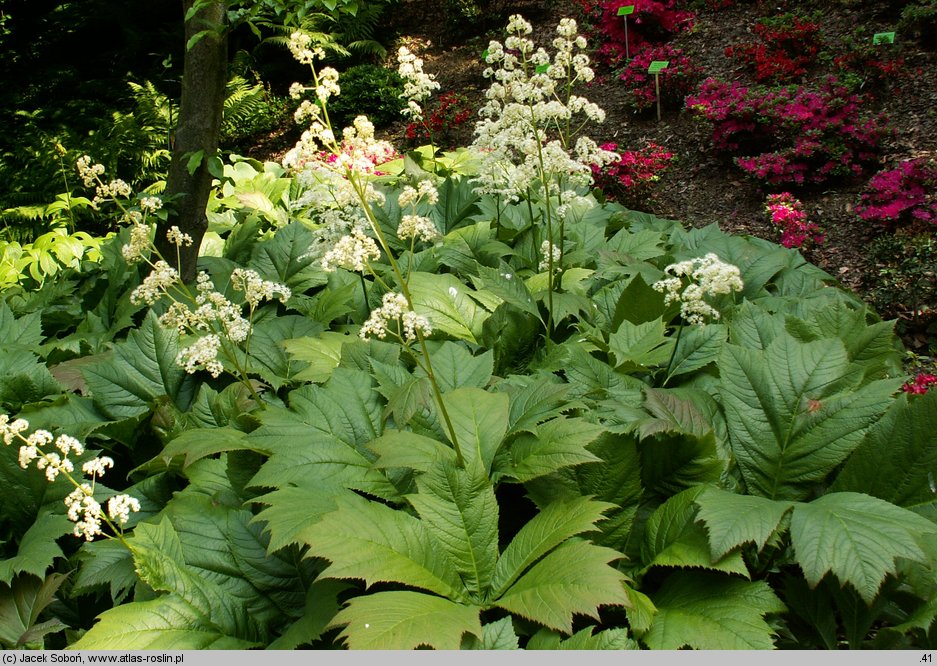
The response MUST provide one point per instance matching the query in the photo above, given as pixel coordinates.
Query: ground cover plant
(457, 399)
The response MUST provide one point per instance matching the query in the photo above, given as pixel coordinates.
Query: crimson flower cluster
(788, 45)
(788, 214)
(905, 194)
(792, 135)
(653, 22)
(676, 80)
(450, 111)
(631, 177)
(920, 384)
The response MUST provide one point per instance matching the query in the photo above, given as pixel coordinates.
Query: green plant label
(626, 10)
(657, 65)
(883, 38)
(542, 69)
(485, 54)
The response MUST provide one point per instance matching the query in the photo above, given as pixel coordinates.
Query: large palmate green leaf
(640, 345)
(608, 639)
(454, 367)
(574, 578)
(498, 635)
(857, 538)
(21, 603)
(286, 258)
(733, 519)
(268, 355)
(553, 445)
(320, 440)
(697, 347)
(165, 623)
(710, 611)
(795, 411)
(160, 561)
(503, 283)
(405, 620)
(458, 508)
(480, 421)
(374, 542)
(37, 548)
(672, 538)
(897, 460)
(451, 307)
(127, 381)
(553, 525)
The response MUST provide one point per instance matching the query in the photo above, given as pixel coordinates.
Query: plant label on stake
(655, 68)
(883, 38)
(625, 12)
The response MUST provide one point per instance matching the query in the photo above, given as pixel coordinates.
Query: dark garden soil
(701, 187)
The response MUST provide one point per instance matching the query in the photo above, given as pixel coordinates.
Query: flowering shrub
(788, 45)
(792, 135)
(652, 22)
(631, 177)
(920, 384)
(787, 213)
(451, 111)
(867, 66)
(676, 80)
(905, 195)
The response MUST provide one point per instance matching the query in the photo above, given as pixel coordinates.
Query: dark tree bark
(204, 76)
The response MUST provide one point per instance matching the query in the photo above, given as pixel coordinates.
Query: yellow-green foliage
(46, 256)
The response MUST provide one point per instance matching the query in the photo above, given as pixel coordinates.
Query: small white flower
(177, 237)
(120, 506)
(98, 466)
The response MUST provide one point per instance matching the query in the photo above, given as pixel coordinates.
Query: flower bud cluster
(394, 307)
(530, 93)
(413, 225)
(550, 251)
(82, 508)
(300, 46)
(351, 252)
(708, 276)
(417, 86)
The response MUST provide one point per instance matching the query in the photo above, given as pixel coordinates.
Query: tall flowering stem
(339, 178)
(690, 282)
(529, 127)
(217, 324)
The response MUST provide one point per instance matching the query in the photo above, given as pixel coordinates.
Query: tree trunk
(204, 76)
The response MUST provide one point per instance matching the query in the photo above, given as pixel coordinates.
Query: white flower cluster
(155, 284)
(112, 190)
(351, 252)
(89, 172)
(327, 84)
(257, 289)
(300, 46)
(394, 307)
(151, 204)
(547, 249)
(417, 86)
(708, 276)
(82, 508)
(417, 226)
(202, 355)
(413, 225)
(136, 250)
(529, 93)
(425, 190)
(176, 236)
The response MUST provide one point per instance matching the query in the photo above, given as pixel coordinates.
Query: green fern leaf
(855, 537)
(709, 611)
(405, 621)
